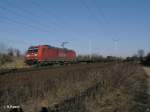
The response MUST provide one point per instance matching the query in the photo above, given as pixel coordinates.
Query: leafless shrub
(123, 87)
(4, 58)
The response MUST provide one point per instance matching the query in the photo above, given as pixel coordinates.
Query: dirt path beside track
(147, 70)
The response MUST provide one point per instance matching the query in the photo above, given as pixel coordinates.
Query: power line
(104, 17)
(21, 23)
(24, 10)
(115, 40)
(31, 13)
(43, 9)
(19, 15)
(22, 17)
(100, 10)
(89, 10)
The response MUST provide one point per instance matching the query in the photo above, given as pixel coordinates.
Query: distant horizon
(4, 50)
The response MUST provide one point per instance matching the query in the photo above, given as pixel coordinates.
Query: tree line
(7, 54)
(140, 57)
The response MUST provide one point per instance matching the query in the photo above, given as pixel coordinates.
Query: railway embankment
(102, 87)
(121, 97)
(147, 70)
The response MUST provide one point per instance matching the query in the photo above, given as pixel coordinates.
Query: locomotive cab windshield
(32, 50)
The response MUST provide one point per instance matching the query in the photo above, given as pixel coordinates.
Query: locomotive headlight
(27, 55)
(35, 54)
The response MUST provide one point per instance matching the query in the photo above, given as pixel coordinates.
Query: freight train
(45, 54)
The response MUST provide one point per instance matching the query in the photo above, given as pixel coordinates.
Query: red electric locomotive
(49, 54)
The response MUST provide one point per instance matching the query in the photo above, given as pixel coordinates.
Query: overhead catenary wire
(36, 19)
(20, 20)
(116, 40)
(24, 10)
(100, 10)
(22, 23)
(47, 11)
(97, 20)
(24, 18)
(21, 17)
(90, 11)
(44, 10)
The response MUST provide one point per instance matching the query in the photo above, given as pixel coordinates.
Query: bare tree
(17, 52)
(10, 52)
(141, 53)
(148, 59)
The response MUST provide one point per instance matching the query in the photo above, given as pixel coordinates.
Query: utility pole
(90, 49)
(116, 45)
(116, 48)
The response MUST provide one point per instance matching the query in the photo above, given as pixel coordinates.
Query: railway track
(21, 70)
(29, 69)
(38, 68)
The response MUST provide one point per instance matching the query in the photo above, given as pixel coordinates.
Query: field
(97, 87)
(14, 63)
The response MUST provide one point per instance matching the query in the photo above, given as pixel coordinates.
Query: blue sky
(32, 22)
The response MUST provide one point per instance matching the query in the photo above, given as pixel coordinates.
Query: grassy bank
(15, 62)
(123, 87)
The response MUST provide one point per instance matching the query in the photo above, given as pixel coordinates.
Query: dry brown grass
(123, 87)
(16, 62)
(125, 90)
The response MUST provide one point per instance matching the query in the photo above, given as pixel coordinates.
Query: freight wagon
(45, 54)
